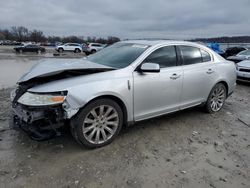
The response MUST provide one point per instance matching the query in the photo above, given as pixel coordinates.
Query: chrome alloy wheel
(100, 124)
(217, 98)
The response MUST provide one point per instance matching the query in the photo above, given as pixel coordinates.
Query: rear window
(205, 56)
(190, 55)
(96, 45)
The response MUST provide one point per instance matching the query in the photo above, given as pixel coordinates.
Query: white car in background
(243, 71)
(243, 55)
(93, 48)
(72, 47)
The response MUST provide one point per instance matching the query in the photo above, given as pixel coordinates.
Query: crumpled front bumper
(41, 123)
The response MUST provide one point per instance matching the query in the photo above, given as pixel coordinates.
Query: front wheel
(98, 123)
(216, 98)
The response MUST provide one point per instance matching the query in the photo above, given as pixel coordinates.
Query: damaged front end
(41, 118)
(41, 114)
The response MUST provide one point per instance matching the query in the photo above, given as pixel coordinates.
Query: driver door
(158, 93)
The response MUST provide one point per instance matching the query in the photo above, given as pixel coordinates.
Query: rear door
(199, 75)
(67, 47)
(73, 47)
(158, 93)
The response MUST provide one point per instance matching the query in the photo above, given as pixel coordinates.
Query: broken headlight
(35, 99)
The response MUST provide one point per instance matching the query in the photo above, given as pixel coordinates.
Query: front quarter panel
(79, 96)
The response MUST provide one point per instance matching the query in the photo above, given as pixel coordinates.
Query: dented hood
(56, 66)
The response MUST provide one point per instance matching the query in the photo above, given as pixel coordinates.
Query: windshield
(245, 52)
(118, 55)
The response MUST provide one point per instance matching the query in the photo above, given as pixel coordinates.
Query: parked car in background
(93, 48)
(232, 51)
(84, 48)
(124, 83)
(29, 48)
(243, 71)
(10, 42)
(70, 47)
(243, 55)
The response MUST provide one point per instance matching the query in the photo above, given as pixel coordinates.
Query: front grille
(243, 78)
(244, 70)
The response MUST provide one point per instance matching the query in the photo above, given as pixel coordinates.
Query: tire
(20, 51)
(39, 51)
(77, 50)
(97, 124)
(60, 50)
(93, 51)
(216, 98)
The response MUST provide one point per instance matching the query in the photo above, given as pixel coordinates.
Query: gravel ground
(185, 149)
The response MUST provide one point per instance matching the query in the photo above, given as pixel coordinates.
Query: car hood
(56, 66)
(245, 63)
(237, 57)
(243, 56)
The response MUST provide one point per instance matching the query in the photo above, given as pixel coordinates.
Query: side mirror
(150, 67)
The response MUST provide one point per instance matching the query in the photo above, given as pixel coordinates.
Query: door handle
(210, 71)
(175, 76)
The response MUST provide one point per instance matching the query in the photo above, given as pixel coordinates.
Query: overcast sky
(177, 19)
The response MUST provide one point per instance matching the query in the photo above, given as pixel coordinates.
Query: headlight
(34, 99)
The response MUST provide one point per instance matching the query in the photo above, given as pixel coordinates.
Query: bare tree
(7, 34)
(2, 37)
(20, 33)
(36, 36)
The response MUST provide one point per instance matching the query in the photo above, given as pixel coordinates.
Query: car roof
(158, 42)
(95, 43)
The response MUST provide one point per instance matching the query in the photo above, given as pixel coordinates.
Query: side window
(205, 56)
(191, 55)
(165, 57)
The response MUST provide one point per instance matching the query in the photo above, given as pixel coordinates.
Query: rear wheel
(98, 123)
(216, 98)
(60, 50)
(93, 51)
(20, 51)
(77, 50)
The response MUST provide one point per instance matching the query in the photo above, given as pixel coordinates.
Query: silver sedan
(127, 82)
